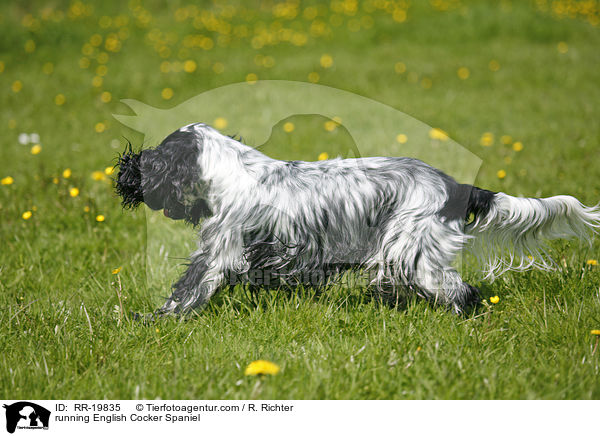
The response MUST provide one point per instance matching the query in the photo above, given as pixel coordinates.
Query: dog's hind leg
(422, 255)
(434, 273)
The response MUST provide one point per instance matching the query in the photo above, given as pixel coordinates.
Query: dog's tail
(509, 232)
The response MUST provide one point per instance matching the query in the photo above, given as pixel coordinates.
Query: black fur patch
(464, 200)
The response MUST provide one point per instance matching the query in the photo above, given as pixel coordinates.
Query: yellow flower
(495, 299)
(27, 215)
(562, 47)
(323, 156)
(86, 209)
(67, 173)
(313, 77)
(463, 73)
(36, 149)
(97, 81)
(501, 174)
(59, 100)
(189, 66)
(595, 332)
(494, 65)
(220, 123)
(436, 133)
(326, 61)
(251, 78)
(262, 367)
(100, 218)
(402, 138)
(7, 181)
(100, 127)
(73, 192)
(592, 262)
(116, 270)
(487, 139)
(105, 97)
(109, 170)
(98, 175)
(517, 146)
(288, 127)
(55, 180)
(17, 86)
(330, 125)
(399, 67)
(167, 93)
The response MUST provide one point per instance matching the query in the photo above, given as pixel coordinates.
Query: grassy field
(514, 82)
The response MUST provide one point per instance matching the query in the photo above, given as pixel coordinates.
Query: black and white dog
(271, 222)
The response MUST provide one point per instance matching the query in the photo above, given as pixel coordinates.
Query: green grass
(60, 334)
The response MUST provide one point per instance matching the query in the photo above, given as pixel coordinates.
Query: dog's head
(167, 177)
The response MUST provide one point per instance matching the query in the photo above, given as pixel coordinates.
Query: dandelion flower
(167, 93)
(495, 299)
(592, 262)
(116, 270)
(399, 67)
(595, 332)
(17, 86)
(73, 192)
(67, 173)
(501, 174)
(330, 125)
(220, 123)
(326, 61)
(36, 149)
(288, 127)
(562, 47)
(494, 65)
(109, 170)
(100, 127)
(436, 133)
(402, 138)
(463, 73)
(7, 181)
(86, 209)
(517, 146)
(27, 215)
(100, 218)
(98, 175)
(59, 100)
(487, 139)
(251, 78)
(189, 66)
(262, 367)
(313, 77)
(105, 97)
(323, 156)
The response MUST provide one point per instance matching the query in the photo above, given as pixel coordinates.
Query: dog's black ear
(129, 178)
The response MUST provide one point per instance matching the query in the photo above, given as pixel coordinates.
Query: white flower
(23, 138)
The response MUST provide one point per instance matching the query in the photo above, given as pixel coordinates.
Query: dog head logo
(26, 415)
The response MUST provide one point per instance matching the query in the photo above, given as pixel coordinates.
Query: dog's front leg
(204, 277)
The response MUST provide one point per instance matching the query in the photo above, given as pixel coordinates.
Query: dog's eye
(470, 218)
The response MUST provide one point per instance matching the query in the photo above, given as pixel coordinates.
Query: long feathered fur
(399, 219)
